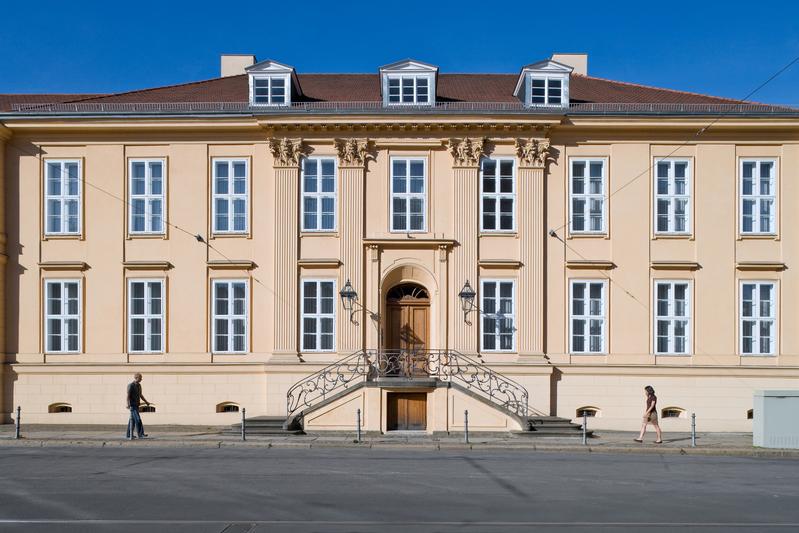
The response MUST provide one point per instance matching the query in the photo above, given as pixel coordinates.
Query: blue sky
(721, 48)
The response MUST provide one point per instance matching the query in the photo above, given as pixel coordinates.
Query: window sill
(758, 356)
(673, 236)
(508, 233)
(758, 237)
(229, 353)
(588, 235)
(231, 236)
(63, 237)
(321, 233)
(133, 236)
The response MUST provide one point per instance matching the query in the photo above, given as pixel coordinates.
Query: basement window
(590, 412)
(750, 414)
(227, 407)
(147, 409)
(59, 408)
(672, 412)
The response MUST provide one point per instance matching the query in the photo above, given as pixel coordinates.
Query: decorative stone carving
(467, 151)
(352, 152)
(287, 152)
(533, 152)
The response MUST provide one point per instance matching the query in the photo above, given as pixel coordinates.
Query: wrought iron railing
(371, 107)
(444, 365)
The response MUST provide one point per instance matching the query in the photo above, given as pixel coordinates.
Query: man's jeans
(135, 423)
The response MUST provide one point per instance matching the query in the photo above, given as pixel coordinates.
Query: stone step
(263, 425)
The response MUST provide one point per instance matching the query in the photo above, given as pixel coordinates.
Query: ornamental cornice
(352, 152)
(5, 133)
(467, 152)
(287, 152)
(533, 152)
(353, 128)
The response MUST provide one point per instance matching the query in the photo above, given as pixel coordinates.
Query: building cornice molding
(79, 266)
(406, 242)
(319, 263)
(147, 265)
(5, 133)
(500, 263)
(233, 264)
(760, 266)
(674, 265)
(588, 264)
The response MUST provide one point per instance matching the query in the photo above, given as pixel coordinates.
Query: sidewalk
(739, 444)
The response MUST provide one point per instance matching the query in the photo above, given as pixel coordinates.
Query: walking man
(135, 397)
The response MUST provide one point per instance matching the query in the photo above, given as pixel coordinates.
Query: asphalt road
(342, 490)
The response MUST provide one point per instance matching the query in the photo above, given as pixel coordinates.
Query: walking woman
(650, 415)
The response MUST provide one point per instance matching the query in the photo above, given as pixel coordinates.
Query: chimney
(234, 64)
(579, 62)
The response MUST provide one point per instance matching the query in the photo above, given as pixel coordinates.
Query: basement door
(407, 411)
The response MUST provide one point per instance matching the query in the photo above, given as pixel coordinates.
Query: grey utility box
(775, 421)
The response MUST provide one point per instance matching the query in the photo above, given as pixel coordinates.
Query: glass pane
(578, 168)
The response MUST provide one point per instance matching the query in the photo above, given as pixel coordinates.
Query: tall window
(546, 91)
(672, 197)
(499, 195)
(62, 202)
(318, 194)
(147, 196)
(408, 194)
(229, 304)
(270, 90)
(231, 189)
(498, 310)
(758, 317)
(146, 316)
(588, 316)
(62, 316)
(758, 197)
(318, 315)
(587, 205)
(672, 317)
(409, 89)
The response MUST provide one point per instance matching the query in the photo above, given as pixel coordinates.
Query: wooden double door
(406, 411)
(408, 318)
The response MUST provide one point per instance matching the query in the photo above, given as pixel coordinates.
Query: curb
(415, 446)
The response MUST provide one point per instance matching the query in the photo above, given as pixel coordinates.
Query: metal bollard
(585, 428)
(466, 426)
(693, 430)
(243, 424)
(16, 422)
(358, 426)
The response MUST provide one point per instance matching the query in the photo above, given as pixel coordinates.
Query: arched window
(59, 408)
(227, 407)
(750, 414)
(587, 411)
(147, 409)
(672, 412)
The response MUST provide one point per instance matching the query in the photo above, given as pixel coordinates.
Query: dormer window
(272, 84)
(544, 84)
(408, 82)
(269, 90)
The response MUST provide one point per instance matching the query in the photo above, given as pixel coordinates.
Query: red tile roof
(366, 88)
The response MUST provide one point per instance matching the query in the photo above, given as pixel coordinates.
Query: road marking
(398, 523)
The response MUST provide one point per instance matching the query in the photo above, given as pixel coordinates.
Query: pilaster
(287, 154)
(466, 155)
(353, 154)
(5, 389)
(533, 157)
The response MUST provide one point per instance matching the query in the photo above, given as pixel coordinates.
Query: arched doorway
(407, 318)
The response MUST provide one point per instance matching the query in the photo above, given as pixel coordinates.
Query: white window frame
(588, 317)
(587, 196)
(672, 197)
(564, 81)
(319, 195)
(407, 195)
(774, 318)
(757, 197)
(63, 316)
(63, 197)
(230, 317)
(230, 196)
(671, 317)
(498, 317)
(148, 197)
(498, 196)
(147, 316)
(416, 77)
(270, 77)
(318, 316)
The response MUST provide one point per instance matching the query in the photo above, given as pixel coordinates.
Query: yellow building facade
(409, 243)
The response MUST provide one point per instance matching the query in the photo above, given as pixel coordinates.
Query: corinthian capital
(352, 152)
(287, 152)
(467, 151)
(533, 152)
